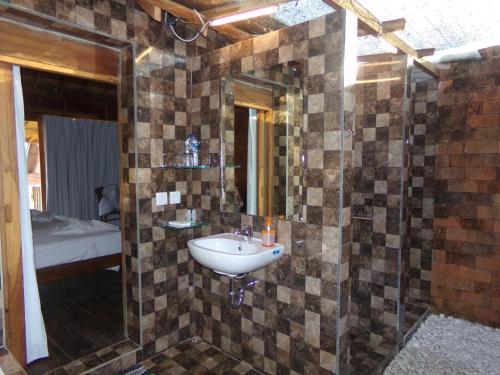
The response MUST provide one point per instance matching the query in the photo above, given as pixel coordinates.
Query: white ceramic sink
(230, 255)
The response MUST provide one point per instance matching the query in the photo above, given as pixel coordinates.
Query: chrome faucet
(245, 232)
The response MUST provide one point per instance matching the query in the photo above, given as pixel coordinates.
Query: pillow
(41, 217)
(110, 192)
(105, 206)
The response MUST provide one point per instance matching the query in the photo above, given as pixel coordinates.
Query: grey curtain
(81, 155)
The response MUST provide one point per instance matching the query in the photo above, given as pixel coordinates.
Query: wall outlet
(161, 199)
(175, 197)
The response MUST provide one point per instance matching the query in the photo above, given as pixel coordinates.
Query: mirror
(261, 132)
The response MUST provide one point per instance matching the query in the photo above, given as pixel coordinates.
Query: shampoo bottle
(268, 234)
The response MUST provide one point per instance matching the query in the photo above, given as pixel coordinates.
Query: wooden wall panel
(251, 96)
(51, 52)
(10, 222)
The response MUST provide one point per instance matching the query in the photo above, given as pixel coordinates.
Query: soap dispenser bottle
(269, 233)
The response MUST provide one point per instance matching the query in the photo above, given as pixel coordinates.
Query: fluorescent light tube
(244, 15)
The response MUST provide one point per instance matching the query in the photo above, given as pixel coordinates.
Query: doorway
(68, 121)
(72, 58)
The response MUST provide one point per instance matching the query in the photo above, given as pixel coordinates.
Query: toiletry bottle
(268, 234)
(193, 216)
(189, 215)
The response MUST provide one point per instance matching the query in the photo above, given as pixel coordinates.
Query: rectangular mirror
(261, 132)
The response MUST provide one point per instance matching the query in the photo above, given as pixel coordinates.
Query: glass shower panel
(380, 160)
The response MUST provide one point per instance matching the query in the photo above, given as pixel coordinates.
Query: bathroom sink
(231, 255)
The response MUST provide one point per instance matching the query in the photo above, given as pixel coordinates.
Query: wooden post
(43, 173)
(10, 222)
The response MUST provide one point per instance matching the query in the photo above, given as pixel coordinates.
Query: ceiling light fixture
(244, 15)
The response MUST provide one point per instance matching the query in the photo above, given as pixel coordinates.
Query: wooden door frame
(10, 222)
(21, 45)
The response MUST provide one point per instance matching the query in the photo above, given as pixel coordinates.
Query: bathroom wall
(380, 165)
(423, 137)
(466, 255)
(288, 322)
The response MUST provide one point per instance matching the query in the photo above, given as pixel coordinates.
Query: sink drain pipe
(236, 295)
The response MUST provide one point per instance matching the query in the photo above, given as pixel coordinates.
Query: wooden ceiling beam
(425, 52)
(187, 14)
(152, 10)
(365, 16)
(239, 7)
(391, 26)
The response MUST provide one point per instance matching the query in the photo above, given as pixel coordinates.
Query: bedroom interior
(77, 257)
(374, 151)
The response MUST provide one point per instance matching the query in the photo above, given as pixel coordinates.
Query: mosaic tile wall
(287, 323)
(466, 255)
(128, 208)
(424, 129)
(161, 129)
(288, 116)
(380, 168)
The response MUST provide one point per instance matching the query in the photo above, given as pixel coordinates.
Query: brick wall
(466, 254)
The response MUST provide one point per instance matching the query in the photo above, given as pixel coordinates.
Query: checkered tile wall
(288, 322)
(424, 131)
(380, 175)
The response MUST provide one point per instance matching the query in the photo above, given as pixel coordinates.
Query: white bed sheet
(60, 240)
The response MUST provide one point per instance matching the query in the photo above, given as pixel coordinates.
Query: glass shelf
(199, 224)
(199, 166)
(187, 167)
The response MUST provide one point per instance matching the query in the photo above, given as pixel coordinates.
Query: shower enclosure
(386, 254)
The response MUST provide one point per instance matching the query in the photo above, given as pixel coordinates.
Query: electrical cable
(198, 32)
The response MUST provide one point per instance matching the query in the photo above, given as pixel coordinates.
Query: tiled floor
(8, 363)
(82, 315)
(369, 360)
(196, 358)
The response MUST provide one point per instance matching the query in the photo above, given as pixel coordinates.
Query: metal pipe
(236, 295)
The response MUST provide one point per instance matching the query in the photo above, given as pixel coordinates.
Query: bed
(67, 247)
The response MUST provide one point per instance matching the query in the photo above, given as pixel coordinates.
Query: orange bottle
(269, 233)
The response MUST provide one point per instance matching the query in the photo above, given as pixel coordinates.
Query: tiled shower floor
(369, 360)
(202, 358)
(196, 358)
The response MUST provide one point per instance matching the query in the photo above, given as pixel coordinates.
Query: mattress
(59, 240)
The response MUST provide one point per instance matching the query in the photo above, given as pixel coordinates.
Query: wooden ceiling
(54, 94)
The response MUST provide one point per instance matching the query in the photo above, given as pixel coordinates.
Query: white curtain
(252, 163)
(81, 155)
(36, 338)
